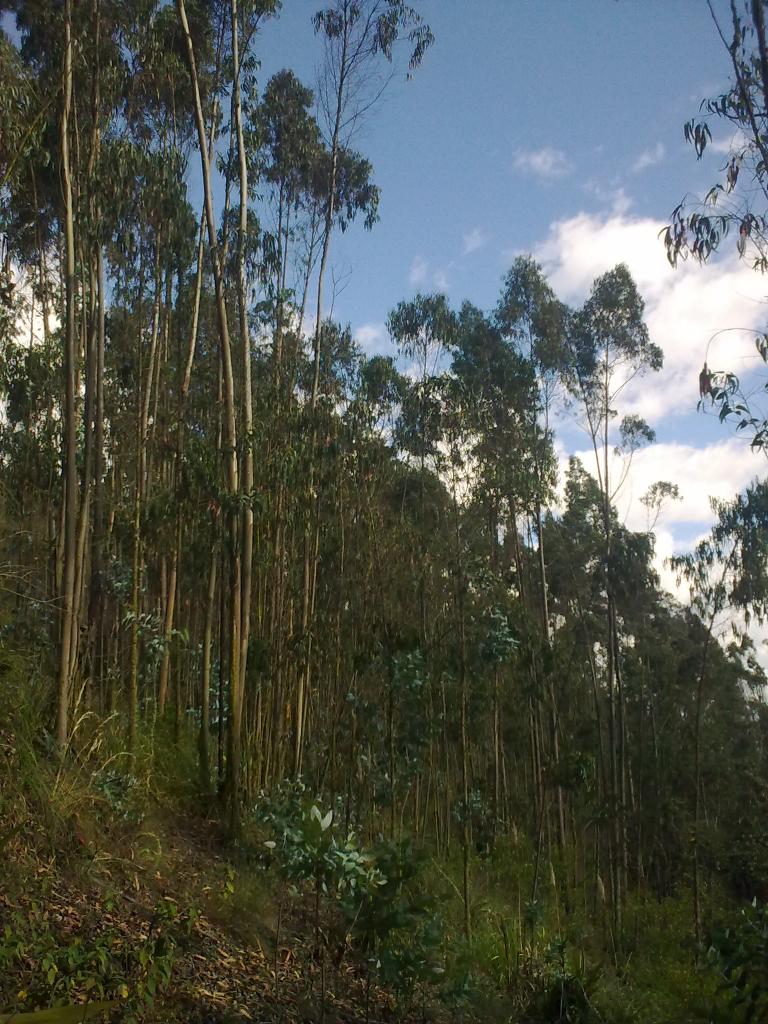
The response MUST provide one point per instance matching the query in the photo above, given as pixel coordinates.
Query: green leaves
(740, 111)
(611, 325)
(59, 1014)
(375, 28)
(698, 134)
(634, 433)
(58, 968)
(739, 953)
(498, 642)
(422, 326)
(323, 822)
(286, 134)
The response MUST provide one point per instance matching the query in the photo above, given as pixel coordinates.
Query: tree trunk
(245, 342)
(233, 767)
(70, 426)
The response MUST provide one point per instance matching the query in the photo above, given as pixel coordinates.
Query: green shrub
(42, 967)
(739, 955)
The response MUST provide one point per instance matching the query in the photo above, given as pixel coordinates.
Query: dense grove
(346, 585)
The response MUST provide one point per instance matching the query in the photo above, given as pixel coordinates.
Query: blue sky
(586, 90)
(556, 128)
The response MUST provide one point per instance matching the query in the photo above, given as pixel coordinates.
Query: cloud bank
(693, 312)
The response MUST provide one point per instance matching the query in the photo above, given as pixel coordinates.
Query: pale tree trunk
(142, 419)
(81, 546)
(205, 698)
(168, 475)
(463, 712)
(94, 423)
(230, 437)
(170, 607)
(242, 304)
(547, 637)
(183, 394)
(96, 598)
(494, 559)
(70, 426)
(615, 720)
(700, 682)
(309, 570)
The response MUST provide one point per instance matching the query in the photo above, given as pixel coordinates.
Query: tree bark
(233, 486)
(70, 425)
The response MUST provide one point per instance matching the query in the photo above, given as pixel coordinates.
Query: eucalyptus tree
(435, 426)
(575, 542)
(51, 57)
(74, 160)
(534, 321)
(21, 113)
(726, 570)
(293, 160)
(610, 347)
(150, 273)
(148, 233)
(251, 14)
(70, 423)
(457, 402)
(30, 381)
(348, 177)
(423, 329)
(736, 204)
(97, 47)
(240, 527)
(375, 401)
(496, 384)
(358, 36)
(739, 201)
(662, 674)
(158, 117)
(288, 147)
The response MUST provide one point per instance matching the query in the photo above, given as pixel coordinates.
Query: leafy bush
(372, 900)
(120, 790)
(394, 924)
(557, 991)
(48, 968)
(739, 953)
(308, 847)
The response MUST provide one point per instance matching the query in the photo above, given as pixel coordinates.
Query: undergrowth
(111, 865)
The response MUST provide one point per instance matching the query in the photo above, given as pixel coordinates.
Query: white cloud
(543, 163)
(374, 340)
(613, 198)
(648, 158)
(422, 274)
(690, 311)
(418, 272)
(440, 280)
(474, 240)
(621, 203)
(664, 548)
(735, 141)
(717, 470)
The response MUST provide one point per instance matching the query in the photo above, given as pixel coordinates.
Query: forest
(330, 690)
